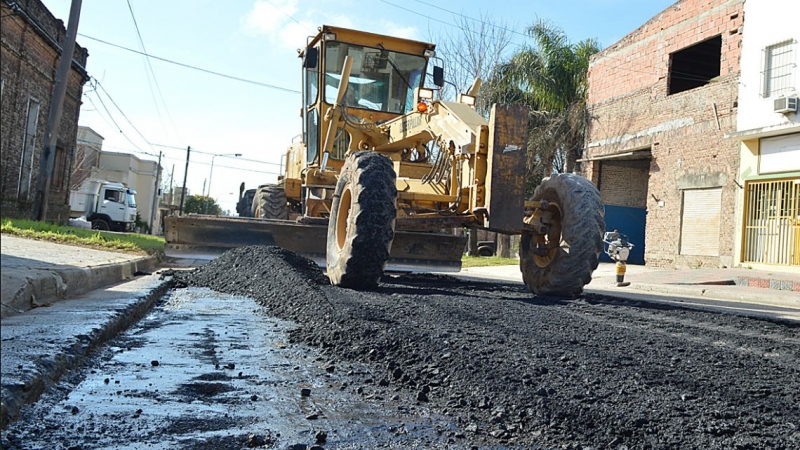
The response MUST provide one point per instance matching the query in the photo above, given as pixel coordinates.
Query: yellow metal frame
(771, 224)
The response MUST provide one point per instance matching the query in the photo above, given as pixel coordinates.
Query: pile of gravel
(517, 370)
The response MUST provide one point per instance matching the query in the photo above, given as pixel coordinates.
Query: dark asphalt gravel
(517, 370)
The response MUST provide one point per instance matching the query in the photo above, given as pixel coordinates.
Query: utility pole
(185, 174)
(155, 193)
(47, 160)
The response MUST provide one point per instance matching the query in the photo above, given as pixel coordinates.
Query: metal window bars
(778, 68)
(772, 222)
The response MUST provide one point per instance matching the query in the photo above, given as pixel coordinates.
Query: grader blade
(206, 237)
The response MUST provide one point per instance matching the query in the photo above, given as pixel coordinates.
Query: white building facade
(141, 175)
(768, 126)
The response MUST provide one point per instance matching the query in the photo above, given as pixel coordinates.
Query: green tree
(201, 204)
(475, 51)
(550, 78)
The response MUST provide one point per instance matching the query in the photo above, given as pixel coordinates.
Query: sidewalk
(38, 273)
(774, 288)
(61, 302)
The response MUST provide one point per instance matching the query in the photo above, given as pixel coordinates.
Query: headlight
(425, 94)
(468, 100)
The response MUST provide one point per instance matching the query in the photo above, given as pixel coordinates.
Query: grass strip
(102, 240)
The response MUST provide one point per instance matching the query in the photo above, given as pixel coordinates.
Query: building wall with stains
(31, 46)
(663, 98)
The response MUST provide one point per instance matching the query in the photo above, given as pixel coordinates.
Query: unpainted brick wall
(640, 60)
(630, 110)
(624, 183)
(29, 64)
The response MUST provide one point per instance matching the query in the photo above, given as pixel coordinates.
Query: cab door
(112, 204)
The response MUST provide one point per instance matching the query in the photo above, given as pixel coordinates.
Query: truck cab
(107, 205)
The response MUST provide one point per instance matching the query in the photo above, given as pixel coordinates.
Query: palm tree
(550, 79)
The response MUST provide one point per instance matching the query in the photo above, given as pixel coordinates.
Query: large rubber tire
(269, 202)
(361, 225)
(485, 251)
(100, 225)
(571, 265)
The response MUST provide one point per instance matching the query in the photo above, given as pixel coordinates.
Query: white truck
(107, 205)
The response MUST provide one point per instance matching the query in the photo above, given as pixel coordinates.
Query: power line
(202, 163)
(194, 150)
(112, 118)
(153, 74)
(471, 18)
(257, 83)
(98, 84)
(453, 25)
(681, 75)
(282, 11)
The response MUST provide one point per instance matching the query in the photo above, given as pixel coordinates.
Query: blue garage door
(629, 221)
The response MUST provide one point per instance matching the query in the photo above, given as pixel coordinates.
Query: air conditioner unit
(785, 104)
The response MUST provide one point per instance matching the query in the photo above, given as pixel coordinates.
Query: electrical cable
(282, 11)
(98, 84)
(685, 76)
(244, 80)
(153, 74)
(112, 119)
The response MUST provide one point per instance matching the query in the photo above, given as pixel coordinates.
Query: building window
(28, 146)
(59, 169)
(695, 66)
(778, 67)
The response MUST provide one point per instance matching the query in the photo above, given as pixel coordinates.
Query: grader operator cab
(382, 174)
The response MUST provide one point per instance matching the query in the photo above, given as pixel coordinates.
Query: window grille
(772, 222)
(779, 66)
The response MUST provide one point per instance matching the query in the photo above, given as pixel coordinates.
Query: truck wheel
(485, 251)
(574, 242)
(361, 225)
(100, 224)
(270, 202)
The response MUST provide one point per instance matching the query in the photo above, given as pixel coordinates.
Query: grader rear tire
(269, 202)
(361, 225)
(567, 268)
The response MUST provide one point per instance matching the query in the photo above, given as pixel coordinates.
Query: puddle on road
(207, 370)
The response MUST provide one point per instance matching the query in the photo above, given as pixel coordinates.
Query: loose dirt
(516, 370)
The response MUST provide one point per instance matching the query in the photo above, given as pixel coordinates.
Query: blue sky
(257, 40)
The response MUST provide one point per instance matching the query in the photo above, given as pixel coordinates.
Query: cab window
(380, 80)
(114, 196)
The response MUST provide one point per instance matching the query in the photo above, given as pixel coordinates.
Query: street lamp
(211, 173)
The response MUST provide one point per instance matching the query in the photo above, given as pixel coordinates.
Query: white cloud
(278, 21)
(393, 29)
(288, 23)
(268, 17)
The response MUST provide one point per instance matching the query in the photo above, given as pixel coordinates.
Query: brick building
(31, 46)
(661, 101)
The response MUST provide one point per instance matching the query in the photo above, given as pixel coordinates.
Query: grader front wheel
(560, 263)
(361, 224)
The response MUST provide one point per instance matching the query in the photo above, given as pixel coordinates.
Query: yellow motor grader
(382, 174)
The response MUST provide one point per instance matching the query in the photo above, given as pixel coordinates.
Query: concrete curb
(42, 286)
(726, 292)
(25, 383)
(713, 292)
